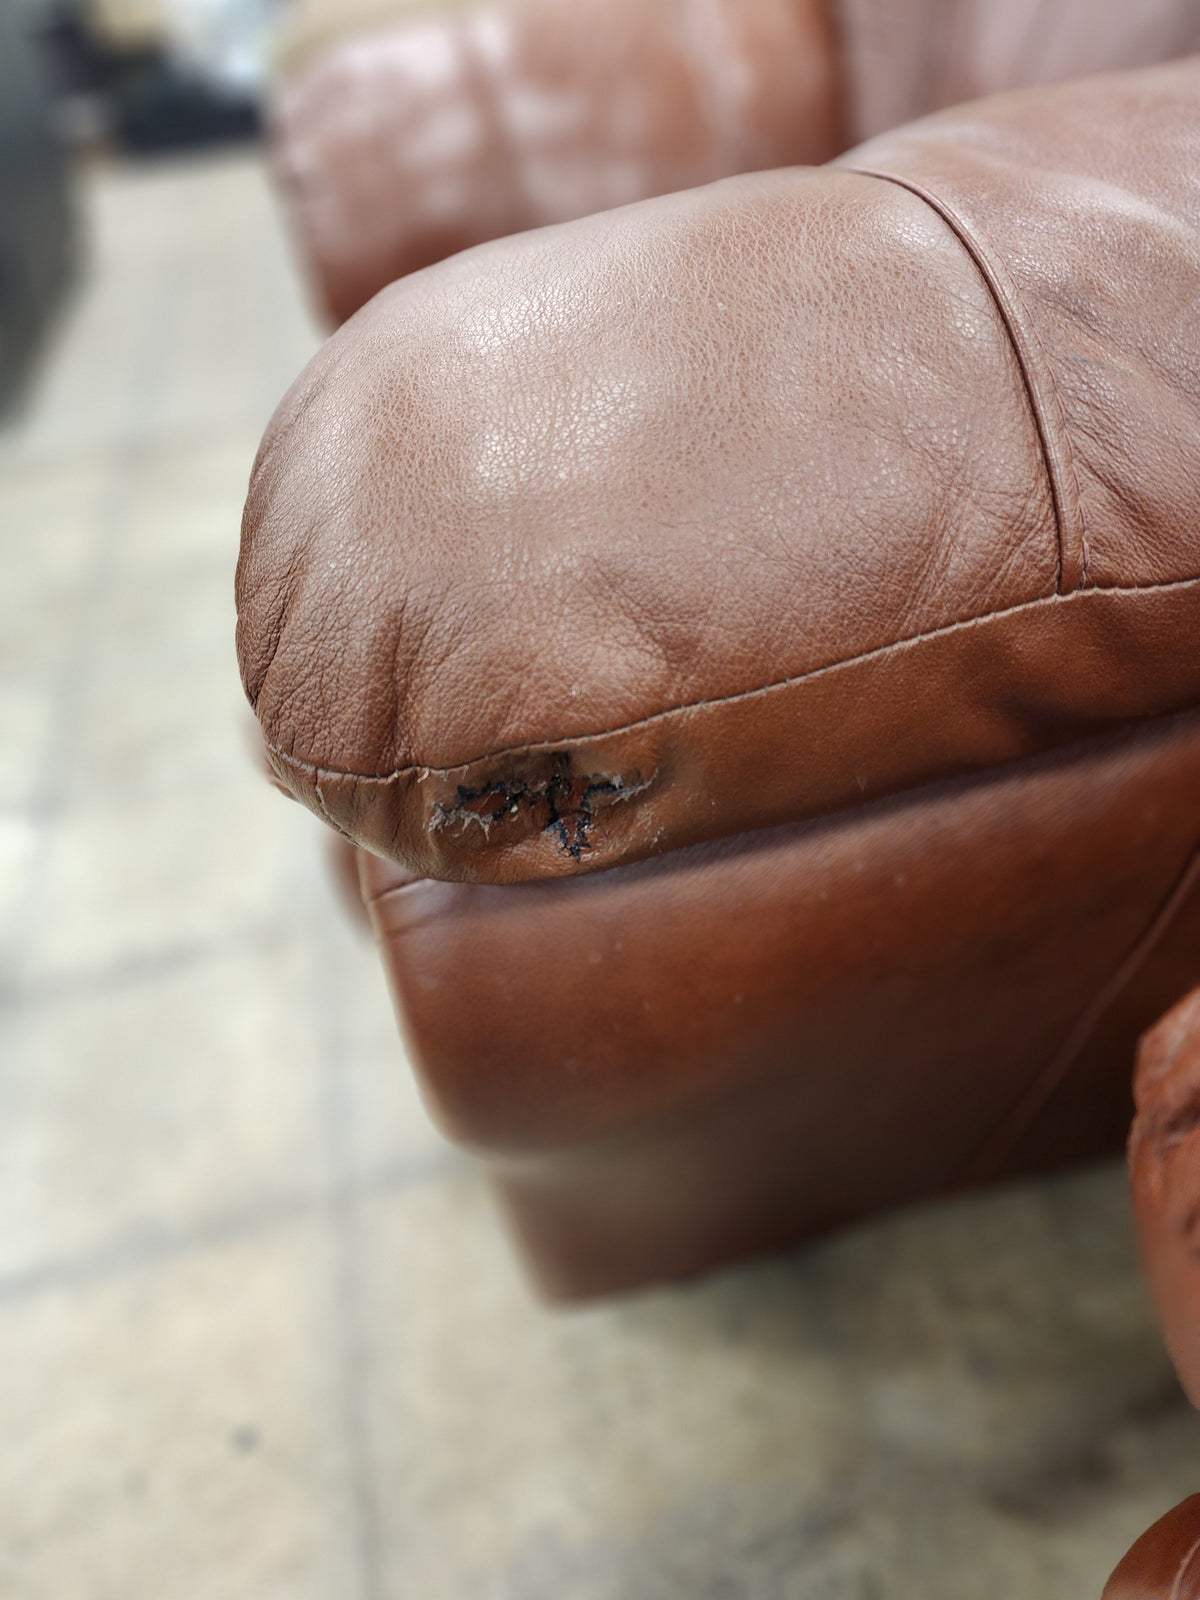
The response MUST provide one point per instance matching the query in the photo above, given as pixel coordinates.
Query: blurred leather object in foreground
(1164, 1171)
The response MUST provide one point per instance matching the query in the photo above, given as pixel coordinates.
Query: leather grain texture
(403, 130)
(815, 550)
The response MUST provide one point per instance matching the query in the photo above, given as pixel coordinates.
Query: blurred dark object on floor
(158, 107)
(38, 230)
(158, 76)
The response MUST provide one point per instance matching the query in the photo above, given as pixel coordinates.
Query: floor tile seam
(147, 1249)
(349, 1322)
(51, 988)
(130, 449)
(83, 631)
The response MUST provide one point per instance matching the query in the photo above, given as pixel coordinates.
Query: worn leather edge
(1014, 682)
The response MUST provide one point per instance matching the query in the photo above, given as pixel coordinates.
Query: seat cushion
(744, 1043)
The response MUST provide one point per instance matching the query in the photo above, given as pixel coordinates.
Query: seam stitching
(1021, 330)
(422, 770)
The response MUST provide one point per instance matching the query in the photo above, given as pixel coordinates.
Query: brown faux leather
(306, 29)
(747, 504)
(396, 148)
(1165, 1562)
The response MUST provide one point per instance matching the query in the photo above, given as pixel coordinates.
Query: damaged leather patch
(557, 801)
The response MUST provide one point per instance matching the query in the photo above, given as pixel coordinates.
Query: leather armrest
(750, 503)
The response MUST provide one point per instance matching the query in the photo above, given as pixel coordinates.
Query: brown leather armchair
(750, 634)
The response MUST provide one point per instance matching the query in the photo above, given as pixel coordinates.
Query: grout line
(148, 1247)
(53, 988)
(349, 1315)
(87, 615)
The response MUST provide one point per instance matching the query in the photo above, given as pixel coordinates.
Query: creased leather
(854, 507)
(740, 506)
(1087, 200)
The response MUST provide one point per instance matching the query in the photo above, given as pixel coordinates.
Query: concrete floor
(260, 1336)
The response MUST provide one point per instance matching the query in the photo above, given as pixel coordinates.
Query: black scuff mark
(563, 803)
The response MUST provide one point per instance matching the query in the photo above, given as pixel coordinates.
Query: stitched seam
(1019, 327)
(320, 794)
(576, 742)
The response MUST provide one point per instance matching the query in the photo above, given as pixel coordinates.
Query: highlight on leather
(1165, 1562)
